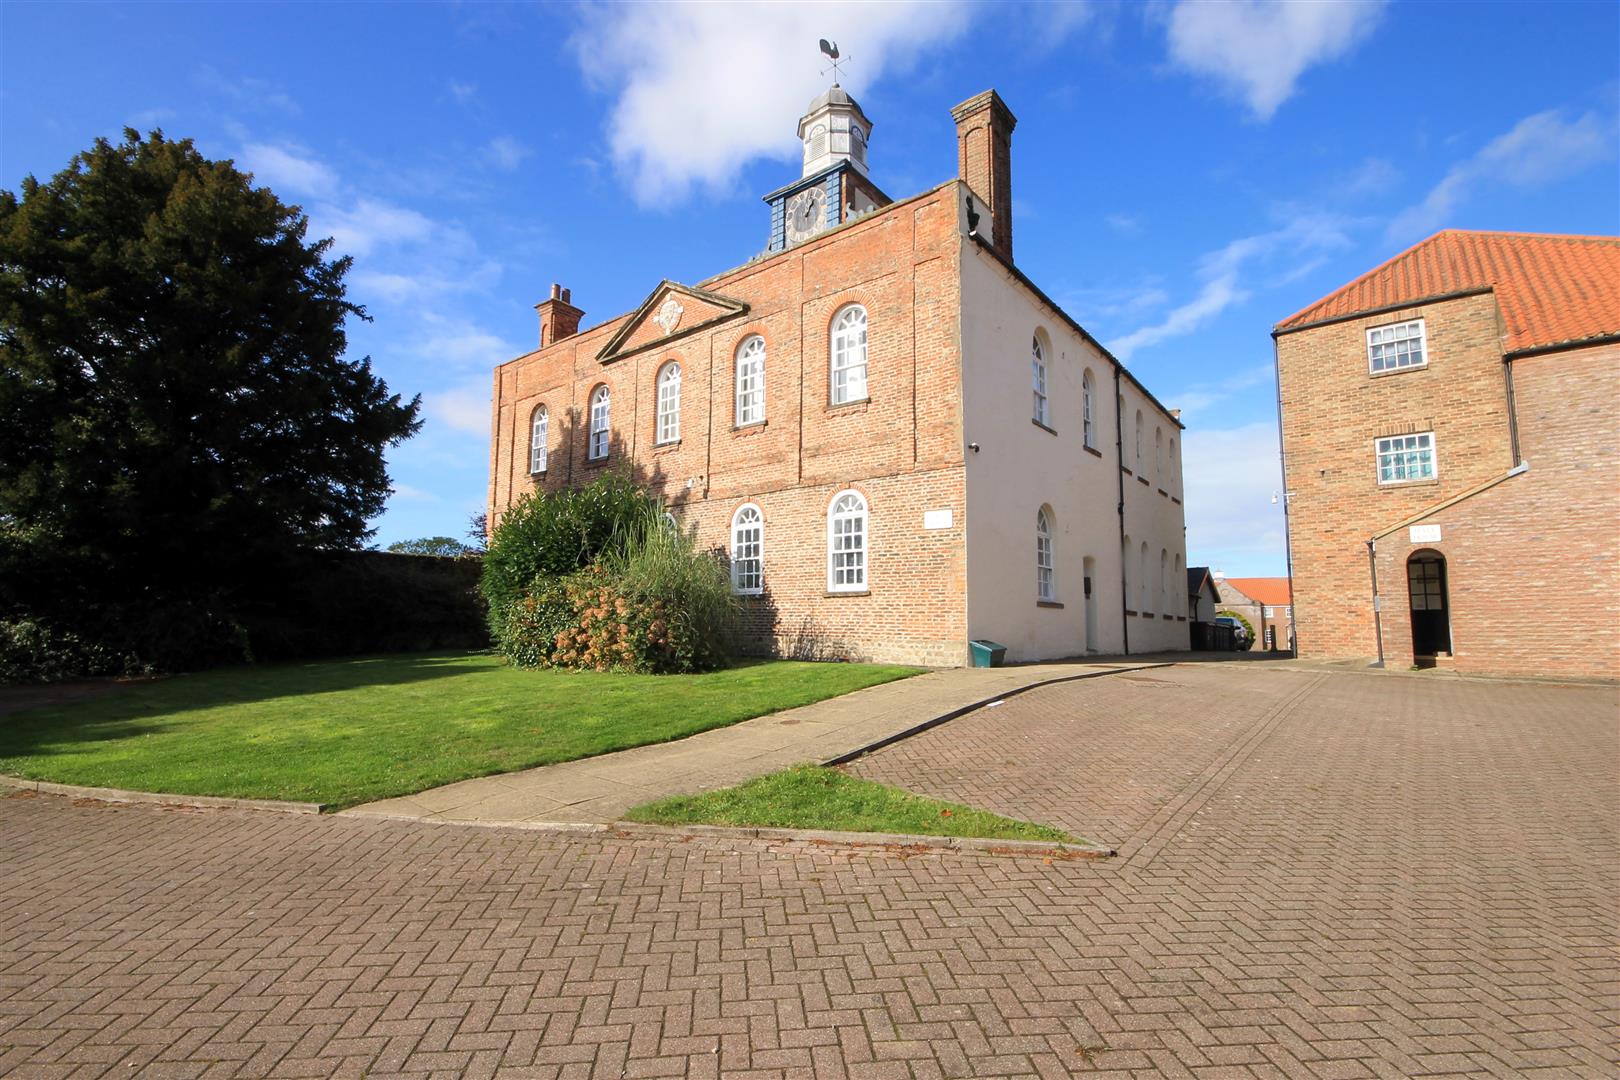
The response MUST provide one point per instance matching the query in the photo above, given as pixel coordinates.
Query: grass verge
(351, 731)
(812, 797)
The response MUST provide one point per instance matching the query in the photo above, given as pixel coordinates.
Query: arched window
(538, 425)
(1090, 430)
(818, 140)
(1175, 469)
(1037, 369)
(751, 381)
(846, 543)
(597, 448)
(849, 355)
(1158, 456)
(1138, 442)
(669, 404)
(1045, 586)
(748, 550)
(1163, 603)
(1178, 581)
(1146, 583)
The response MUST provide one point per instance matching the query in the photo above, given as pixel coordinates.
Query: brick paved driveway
(1320, 875)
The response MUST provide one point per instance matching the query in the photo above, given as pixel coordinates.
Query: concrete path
(602, 788)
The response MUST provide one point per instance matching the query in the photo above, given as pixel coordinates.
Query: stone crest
(669, 315)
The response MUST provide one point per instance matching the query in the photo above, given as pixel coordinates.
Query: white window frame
(1395, 335)
(601, 424)
(847, 565)
(1158, 456)
(750, 382)
(746, 550)
(1045, 569)
(1139, 424)
(1388, 446)
(849, 373)
(1037, 376)
(1089, 429)
(539, 428)
(668, 429)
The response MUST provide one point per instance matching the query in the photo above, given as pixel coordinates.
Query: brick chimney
(984, 127)
(558, 317)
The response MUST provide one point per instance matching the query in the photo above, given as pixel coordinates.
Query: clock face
(806, 213)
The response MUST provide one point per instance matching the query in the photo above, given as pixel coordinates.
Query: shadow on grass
(134, 710)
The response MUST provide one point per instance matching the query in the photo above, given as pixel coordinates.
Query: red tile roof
(1270, 591)
(1552, 290)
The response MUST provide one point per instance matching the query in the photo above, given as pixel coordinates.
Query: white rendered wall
(1020, 466)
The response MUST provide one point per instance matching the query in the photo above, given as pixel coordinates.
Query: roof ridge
(1525, 235)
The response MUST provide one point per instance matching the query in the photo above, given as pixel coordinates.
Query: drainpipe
(1378, 602)
(1512, 410)
(1288, 520)
(1119, 474)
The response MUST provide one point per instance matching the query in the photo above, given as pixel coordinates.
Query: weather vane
(829, 49)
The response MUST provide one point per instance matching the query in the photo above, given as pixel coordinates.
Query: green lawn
(811, 797)
(350, 731)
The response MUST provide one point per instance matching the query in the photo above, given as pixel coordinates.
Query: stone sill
(859, 405)
(848, 592)
(1049, 604)
(1093, 451)
(1143, 481)
(1043, 427)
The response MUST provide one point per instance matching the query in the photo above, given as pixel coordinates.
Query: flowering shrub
(658, 607)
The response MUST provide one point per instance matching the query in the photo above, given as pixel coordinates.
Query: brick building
(1266, 604)
(1452, 457)
(898, 439)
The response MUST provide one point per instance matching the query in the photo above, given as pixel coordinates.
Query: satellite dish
(830, 48)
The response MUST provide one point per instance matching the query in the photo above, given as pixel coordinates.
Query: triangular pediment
(670, 312)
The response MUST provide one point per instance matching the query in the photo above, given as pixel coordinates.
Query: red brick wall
(903, 447)
(1533, 564)
(1333, 410)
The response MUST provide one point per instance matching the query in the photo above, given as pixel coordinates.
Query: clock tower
(833, 186)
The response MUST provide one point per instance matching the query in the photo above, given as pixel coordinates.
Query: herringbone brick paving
(1320, 876)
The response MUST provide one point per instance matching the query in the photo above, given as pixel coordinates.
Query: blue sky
(1185, 175)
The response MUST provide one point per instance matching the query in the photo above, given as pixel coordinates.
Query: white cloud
(459, 343)
(288, 170)
(248, 92)
(412, 494)
(703, 88)
(1201, 396)
(1258, 49)
(463, 408)
(1229, 478)
(1302, 239)
(1540, 149)
(1129, 224)
(506, 152)
(367, 225)
(464, 93)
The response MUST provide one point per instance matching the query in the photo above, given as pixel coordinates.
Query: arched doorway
(1431, 621)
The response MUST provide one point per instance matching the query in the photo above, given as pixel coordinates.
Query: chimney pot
(556, 291)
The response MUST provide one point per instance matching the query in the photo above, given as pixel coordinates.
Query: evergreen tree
(177, 415)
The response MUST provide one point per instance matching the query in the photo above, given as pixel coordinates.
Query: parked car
(1241, 638)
